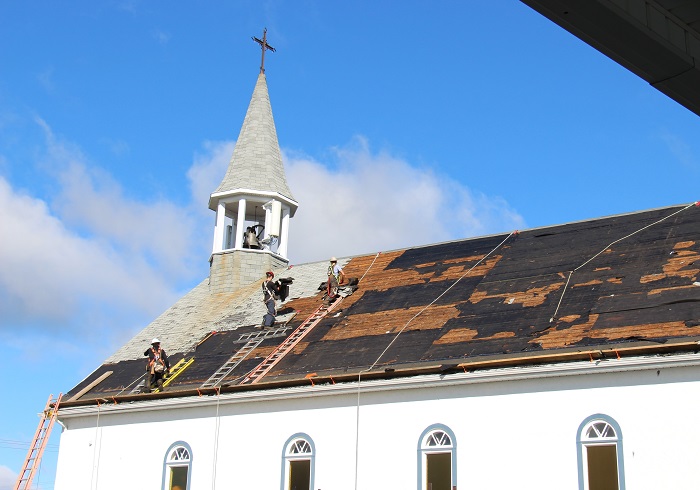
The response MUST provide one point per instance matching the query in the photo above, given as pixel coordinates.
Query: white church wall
(519, 433)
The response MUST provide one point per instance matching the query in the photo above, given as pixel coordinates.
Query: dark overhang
(658, 40)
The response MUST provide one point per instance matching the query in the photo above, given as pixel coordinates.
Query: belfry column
(219, 228)
(240, 223)
(284, 233)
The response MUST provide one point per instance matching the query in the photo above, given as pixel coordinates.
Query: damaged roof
(613, 286)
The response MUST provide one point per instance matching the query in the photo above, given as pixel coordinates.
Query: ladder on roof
(252, 340)
(139, 386)
(276, 355)
(36, 449)
(176, 370)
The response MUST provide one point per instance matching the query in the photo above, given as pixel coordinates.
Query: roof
(256, 163)
(612, 286)
(658, 40)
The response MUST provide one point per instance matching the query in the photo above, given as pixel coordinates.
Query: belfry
(253, 202)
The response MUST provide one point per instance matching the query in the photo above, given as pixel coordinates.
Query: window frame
(424, 450)
(168, 464)
(583, 442)
(288, 456)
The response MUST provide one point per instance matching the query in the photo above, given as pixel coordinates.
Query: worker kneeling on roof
(157, 366)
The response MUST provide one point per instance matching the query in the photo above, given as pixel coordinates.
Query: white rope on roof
(216, 439)
(571, 272)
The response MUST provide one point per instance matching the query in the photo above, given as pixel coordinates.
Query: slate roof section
(256, 163)
(199, 313)
(490, 301)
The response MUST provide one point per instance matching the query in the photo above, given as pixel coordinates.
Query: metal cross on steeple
(263, 44)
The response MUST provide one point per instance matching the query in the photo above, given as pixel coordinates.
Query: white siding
(509, 434)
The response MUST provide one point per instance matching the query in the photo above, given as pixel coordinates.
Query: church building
(563, 357)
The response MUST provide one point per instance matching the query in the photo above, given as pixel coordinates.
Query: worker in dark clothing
(271, 290)
(157, 367)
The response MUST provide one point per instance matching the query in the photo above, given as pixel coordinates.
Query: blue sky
(401, 123)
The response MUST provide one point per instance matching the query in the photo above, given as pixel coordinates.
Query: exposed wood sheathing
(638, 292)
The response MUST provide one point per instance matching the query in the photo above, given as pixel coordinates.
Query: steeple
(257, 161)
(253, 202)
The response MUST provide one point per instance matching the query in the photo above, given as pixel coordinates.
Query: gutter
(179, 400)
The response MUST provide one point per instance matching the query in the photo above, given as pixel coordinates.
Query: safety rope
(216, 439)
(368, 268)
(571, 272)
(359, 375)
(95, 456)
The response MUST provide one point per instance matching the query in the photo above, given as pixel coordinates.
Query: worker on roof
(157, 366)
(271, 291)
(336, 277)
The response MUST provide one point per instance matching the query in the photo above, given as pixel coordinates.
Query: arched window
(600, 457)
(177, 467)
(437, 457)
(298, 463)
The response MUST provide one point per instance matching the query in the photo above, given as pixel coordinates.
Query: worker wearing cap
(335, 277)
(157, 366)
(270, 291)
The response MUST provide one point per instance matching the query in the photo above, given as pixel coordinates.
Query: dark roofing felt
(511, 305)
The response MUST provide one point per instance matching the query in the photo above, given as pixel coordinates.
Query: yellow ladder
(177, 369)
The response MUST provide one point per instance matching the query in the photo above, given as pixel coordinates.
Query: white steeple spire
(253, 197)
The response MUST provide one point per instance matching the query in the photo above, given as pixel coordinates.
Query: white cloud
(7, 478)
(155, 230)
(366, 202)
(370, 202)
(207, 171)
(91, 261)
(47, 271)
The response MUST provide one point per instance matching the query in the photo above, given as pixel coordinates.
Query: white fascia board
(603, 366)
(250, 194)
(250, 251)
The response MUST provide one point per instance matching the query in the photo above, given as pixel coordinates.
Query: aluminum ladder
(41, 438)
(252, 340)
(276, 355)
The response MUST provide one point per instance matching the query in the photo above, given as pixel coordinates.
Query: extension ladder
(252, 340)
(36, 450)
(276, 355)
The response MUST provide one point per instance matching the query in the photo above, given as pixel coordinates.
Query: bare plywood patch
(574, 334)
(686, 244)
(677, 265)
(530, 297)
(570, 318)
(594, 282)
(391, 321)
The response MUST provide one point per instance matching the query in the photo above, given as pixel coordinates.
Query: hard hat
(333, 259)
(270, 273)
(155, 340)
